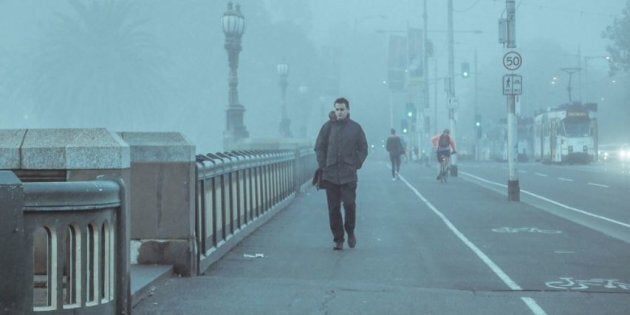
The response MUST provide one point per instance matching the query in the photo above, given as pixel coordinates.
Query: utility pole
(579, 65)
(452, 100)
(426, 75)
(435, 96)
(476, 108)
(509, 62)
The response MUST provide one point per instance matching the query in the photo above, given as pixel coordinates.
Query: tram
(566, 134)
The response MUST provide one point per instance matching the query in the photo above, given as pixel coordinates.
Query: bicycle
(445, 167)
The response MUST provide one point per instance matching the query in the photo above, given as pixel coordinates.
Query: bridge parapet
(66, 155)
(180, 209)
(84, 257)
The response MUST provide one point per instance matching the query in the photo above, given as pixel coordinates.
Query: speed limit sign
(512, 60)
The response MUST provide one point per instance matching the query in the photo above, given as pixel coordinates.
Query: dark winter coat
(394, 146)
(341, 149)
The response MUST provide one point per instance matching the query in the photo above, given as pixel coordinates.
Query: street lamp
(285, 122)
(233, 27)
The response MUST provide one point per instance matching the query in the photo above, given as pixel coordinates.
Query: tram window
(577, 129)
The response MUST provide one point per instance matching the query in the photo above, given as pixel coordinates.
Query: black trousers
(395, 159)
(336, 195)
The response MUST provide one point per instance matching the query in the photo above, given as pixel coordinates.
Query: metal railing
(235, 188)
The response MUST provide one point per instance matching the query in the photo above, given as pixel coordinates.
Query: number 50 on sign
(512, 60)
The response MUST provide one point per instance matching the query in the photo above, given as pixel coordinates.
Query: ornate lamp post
(285, 122)
(233, 27)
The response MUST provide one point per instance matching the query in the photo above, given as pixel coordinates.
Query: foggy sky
(187, 64)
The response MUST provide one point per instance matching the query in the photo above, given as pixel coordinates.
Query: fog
(158, 65)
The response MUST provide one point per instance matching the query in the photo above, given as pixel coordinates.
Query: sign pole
(512, 141)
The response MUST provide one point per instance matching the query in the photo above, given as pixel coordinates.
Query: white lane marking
(533, 306)
(540, 174)
(565, 179)
(599, 185)
(552, 201)
(563, 252)
(521, 171)
(506, 279)
(507, 229)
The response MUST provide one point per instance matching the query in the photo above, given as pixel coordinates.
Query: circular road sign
(512, 60)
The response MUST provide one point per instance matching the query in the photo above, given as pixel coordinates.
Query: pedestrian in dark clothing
(341, 149)
(395, 148)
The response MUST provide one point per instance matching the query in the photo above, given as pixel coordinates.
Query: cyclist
(442, 144)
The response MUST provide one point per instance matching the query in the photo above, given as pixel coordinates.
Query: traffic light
(478, 125)
(465, 70)
(410, 111)
(404, 126)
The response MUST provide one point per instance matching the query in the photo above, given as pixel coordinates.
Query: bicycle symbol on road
(568, 283)
(506, 229)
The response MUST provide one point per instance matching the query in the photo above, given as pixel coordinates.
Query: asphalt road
(426, 248)
(596, 195)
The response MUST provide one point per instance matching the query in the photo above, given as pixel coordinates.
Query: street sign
(512, 60)
(453, 103)
(512, 84)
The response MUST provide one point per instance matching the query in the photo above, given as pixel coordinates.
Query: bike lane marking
(565, 179)
(531, 303)
(551, 201)
(570, 283)
(598, 185)
(507, 229)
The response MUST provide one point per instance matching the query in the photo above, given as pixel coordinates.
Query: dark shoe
(439, 177)
(352, 241)
(338, 246)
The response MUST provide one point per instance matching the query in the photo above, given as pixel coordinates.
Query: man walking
(395, 148)
(341, 149)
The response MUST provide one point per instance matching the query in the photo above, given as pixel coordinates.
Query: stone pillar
(163, 179)
(16, 292)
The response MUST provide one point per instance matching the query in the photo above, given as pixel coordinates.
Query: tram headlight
(624, 154)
